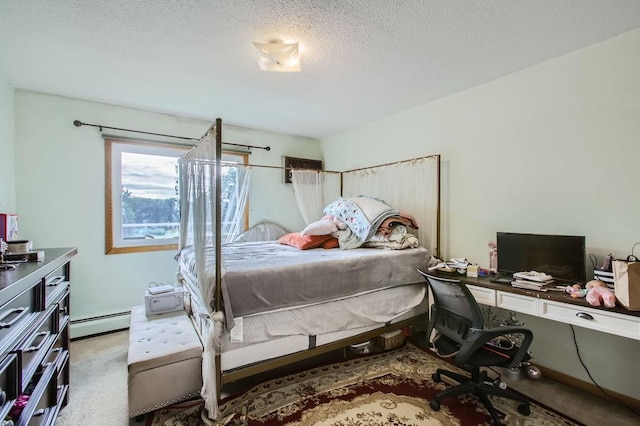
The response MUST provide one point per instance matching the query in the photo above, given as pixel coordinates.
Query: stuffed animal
(576, 291)
(599, 292)
(596, 293)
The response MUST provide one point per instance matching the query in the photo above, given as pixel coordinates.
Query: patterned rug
(390, 388)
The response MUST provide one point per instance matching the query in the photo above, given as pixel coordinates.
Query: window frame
(113, 171)
(113, 147)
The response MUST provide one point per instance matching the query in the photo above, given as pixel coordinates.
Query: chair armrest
(477, 338)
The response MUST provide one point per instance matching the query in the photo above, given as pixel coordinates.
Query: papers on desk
(532, 280)
(529, 285)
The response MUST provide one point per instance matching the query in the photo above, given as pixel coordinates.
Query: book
(8, 226)
(530, 285)
(533, 276)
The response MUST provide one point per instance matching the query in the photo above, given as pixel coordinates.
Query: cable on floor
(575, 341)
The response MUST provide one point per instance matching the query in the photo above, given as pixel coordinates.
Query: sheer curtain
(236, 181)
(198, 227)
(410, 186)
(308, 187)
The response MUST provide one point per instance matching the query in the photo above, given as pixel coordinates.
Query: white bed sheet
(247, 354)
(373, 308)
(259, 346)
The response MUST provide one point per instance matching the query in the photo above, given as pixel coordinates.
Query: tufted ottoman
(164, 360)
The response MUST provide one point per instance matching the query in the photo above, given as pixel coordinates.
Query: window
(142, 205)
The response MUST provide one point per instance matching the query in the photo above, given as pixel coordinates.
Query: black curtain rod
(79, 123)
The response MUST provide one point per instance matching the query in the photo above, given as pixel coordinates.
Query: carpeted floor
(98, 393)
(390, 388)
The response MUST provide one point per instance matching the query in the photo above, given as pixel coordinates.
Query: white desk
(554, 306)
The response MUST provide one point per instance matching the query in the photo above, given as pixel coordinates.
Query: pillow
(332, 243)
(320, 227)
(304, 242)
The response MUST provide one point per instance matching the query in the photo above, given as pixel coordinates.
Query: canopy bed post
(218, 232)
(437, 250)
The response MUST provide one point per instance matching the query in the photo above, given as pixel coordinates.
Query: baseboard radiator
(84, 327)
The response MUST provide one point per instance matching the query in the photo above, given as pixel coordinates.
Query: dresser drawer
(63, 309)
(17, 315)
(8, 383)
(55, 285)
(62, 381)
(32, 351)
(595, 319)
(42, 406)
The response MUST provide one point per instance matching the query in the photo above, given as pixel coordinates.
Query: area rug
(390, 388)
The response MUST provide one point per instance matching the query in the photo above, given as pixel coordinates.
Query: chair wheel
(435, 405)
(436, 377)
(524, 409)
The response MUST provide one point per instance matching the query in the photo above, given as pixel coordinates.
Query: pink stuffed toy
(595, 292)
(599, 292)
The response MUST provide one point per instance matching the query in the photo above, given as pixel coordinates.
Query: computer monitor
(561, 256)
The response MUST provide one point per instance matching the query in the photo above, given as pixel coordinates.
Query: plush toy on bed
(596, 293)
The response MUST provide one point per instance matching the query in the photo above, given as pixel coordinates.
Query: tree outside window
(143, 206)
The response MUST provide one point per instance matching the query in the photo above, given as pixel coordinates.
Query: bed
(259, 305)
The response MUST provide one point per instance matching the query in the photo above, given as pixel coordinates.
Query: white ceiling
(362, 59)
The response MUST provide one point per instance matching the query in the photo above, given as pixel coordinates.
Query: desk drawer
(595, 319)
(517, 302)
(484, 296)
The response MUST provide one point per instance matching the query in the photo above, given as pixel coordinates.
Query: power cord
(575, 342)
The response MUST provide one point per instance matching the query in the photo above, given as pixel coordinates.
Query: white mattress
(370, 309)
(377, 309)
(248, 354)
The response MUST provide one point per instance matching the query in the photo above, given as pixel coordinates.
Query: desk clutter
(621, 276)
(532, 280)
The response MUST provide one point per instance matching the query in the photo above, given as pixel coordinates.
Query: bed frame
(213, 160)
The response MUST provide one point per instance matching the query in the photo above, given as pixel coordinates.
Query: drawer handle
(43, 335)
(19, 311)
(55, 281)
(584, 315)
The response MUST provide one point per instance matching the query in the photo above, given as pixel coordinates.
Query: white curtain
(235, 192)
(410, 186)
(198, 227)
(308, 186)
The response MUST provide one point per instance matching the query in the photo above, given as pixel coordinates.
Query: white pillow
(320, 227)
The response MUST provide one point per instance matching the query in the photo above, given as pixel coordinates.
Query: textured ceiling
(361, 59)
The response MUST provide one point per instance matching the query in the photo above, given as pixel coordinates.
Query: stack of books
(532, 280)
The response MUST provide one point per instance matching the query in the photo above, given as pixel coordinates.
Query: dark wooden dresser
(34, 338)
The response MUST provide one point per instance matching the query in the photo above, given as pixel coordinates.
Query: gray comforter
(266, 276)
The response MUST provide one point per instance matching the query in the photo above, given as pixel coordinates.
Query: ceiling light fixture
(278, 56)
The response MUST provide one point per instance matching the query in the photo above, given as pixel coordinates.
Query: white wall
(551, 149)
(60, 195)
(7, 144)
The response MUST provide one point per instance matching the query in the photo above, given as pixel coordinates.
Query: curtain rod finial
(267, 148)
(77, 123)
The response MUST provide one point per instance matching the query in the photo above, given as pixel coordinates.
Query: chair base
(477, 384)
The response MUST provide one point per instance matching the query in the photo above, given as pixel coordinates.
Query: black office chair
(459, 330)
